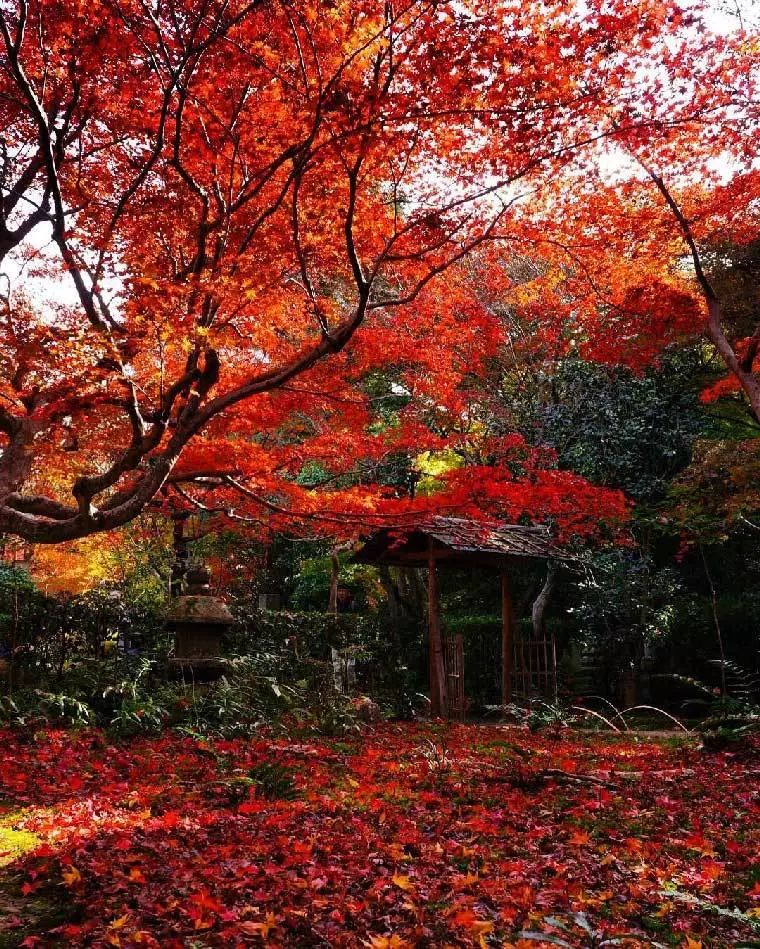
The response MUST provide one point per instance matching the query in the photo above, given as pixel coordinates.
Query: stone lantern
(198, 620)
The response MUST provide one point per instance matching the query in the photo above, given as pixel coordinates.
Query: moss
(15, 843)
(35, 914)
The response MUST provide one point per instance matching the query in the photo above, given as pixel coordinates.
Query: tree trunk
(395, 606)
(716, 622)
(538, 611)
(746, 377)
(181, 555)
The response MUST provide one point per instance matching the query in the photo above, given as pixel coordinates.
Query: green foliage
(101, 658)
(310, 587)
(242, 702)
(473, 627)
(141, 714)
(731, 717)
(615, 427)
(37, 707)
(578, 930)
(49, 638)
(273, 781)
(136, 710)
(720, 734)
(746, 919)
(138, 699)
(239, 703)
(14, 580)
(293, 646)
(431, 466)
(331, 715)
(22, 609)
(539, 715)
(622, 608)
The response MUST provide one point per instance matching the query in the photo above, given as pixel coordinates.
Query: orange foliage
(256, 207)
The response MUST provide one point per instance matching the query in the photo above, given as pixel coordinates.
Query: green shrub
(37, 707)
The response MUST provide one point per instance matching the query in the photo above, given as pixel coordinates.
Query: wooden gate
(454, 660)
(534, 667)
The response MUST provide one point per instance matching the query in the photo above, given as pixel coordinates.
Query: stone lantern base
(200, 669)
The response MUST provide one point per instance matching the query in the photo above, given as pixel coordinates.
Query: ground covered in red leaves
(409, 835)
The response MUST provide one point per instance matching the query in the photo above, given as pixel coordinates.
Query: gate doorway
(454, 660)
(456, 542)
(534, 667)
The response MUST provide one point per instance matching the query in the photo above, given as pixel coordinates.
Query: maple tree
(231, 192)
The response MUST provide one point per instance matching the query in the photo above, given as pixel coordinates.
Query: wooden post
(507, 636)
(554, 669)
(438, 701)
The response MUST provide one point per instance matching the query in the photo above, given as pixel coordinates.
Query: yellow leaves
(112, 937)
(402, 882)
(690, 943)
(432, 465)
(15, 843)
(388, 942)
(604, 896)
(72, 567)
(397, 852)
(262, 929)
(71, 876)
